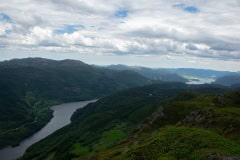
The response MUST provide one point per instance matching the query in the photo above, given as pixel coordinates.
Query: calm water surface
(202, 81)
(61, 117)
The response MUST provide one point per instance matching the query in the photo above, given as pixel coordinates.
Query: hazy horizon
(130, 65)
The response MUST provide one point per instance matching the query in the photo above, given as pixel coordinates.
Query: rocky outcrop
(149, 121)
(158, 114)
(196, 117)
(217, 156)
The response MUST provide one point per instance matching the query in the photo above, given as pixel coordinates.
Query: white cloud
(150, 28)
(2, 32)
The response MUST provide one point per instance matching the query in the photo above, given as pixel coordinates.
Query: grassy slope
(183, 143)
(203, 127)
(101, 125)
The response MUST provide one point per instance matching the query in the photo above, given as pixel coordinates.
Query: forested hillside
(29, 86)
(151, 73)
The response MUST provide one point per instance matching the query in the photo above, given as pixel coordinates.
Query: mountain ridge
(174, 74)
(228, 80)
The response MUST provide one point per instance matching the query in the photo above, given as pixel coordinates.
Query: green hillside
(113, 126)
(151, 73)
(29, 86)
(204, 127)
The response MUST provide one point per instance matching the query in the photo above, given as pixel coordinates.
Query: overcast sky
(154, 33)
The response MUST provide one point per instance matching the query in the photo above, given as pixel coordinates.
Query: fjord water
(61, 117)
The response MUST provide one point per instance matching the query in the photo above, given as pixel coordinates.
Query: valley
(61, 117)
(136, 105)
(119, 80)
(28, 87)
(129, 120)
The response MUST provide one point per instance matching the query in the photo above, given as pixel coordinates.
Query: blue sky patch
(5, 17)
(191, 9)
(69, 29)
(121, 13)
(8, 31)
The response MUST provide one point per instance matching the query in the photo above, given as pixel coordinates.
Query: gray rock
(196, 117)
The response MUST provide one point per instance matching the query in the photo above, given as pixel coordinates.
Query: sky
(152, 33)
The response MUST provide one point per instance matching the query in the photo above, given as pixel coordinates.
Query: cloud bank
(197, 29)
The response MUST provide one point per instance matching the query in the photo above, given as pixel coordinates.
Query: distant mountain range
(175, 74)
(229, 80)
(201, 73)
(154, 74)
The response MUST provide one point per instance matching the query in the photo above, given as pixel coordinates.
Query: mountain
(150, 73)
(188, 75)
(158, 121)
(200, 73)
(228, 80)
(236, 86)
(29, 86)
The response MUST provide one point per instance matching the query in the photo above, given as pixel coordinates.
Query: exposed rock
(158, 114)
(196, 117)
(149, 121)
(228, 130)
(213, 156)
(126, 149)
(230, 158)
(135, 143)
(217, 156)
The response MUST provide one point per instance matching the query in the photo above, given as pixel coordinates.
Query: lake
(201, 81)
(61, 117)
